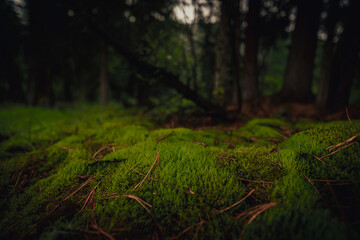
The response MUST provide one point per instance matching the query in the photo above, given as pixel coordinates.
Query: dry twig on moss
(254, 212)
(243, 199)
(188, 229)
(141, 182)
(163, 137)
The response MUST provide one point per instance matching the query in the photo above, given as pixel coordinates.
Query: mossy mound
(112, 173)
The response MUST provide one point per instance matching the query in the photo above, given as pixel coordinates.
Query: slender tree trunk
(322, 97)
(194, 57)
(235, 42)
(185, 66)
(344, 68)
(250, 80)
(39, 53)
(227, 69)
(13, 76)
(300, 64)
(222, 60)
(104, 85)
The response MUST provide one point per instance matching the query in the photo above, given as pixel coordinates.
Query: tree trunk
(227, 69)
(250, 80)
(194, 56)
(344, 67)
(322, 97)
(39, 52)
(222, 60)
(13, 76)
(300, 64)
(235, 43)
(104, 85)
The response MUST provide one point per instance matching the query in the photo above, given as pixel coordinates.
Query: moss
(94, 157)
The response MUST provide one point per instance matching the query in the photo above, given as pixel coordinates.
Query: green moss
(95, 155)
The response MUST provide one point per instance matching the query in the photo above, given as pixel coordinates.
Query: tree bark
(322, 97)
(299, 70)
(222, 60)
(344, 67)
(235, 43)
(39, 52)
(227, 66)
(104, 84)
(250, 80)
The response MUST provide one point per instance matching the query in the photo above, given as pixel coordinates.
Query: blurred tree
(250, 79)
(227, 69)
(323, 96)
(10, 46)
(300, 65)
(346, 57)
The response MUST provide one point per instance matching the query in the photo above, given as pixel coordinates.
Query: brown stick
(158, 180)
(163, 137)
(347, 114)
(259, 181)
(221, 211)
(141, 182)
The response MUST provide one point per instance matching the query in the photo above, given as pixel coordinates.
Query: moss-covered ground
(109, 173)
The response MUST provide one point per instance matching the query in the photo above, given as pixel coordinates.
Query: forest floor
(105, 172)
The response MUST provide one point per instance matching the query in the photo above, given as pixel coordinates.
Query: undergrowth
(109, 172)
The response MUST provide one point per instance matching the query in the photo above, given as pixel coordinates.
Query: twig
(141, 182)
(335, 182)
(81, 186)
(254, 211)
(200, 143)
(139, 200)
(259, 181)
(312, 184)
(158, 180)
(319, 158)
(221, 211)
(97, 152)
(188, 229)
(347, 114)
(163, 137)
(342, 143)
(103, 232)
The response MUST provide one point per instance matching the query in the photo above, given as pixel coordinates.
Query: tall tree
(10, 42)
(227, 86)
(250, 79)
(104, 84)
(42, 25)
(323, 96)
(344, 67)
(300, 64)
(222, 60)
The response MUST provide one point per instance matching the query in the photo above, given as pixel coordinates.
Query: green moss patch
(110, 172)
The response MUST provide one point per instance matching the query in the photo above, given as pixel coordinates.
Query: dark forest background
(171, 54)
